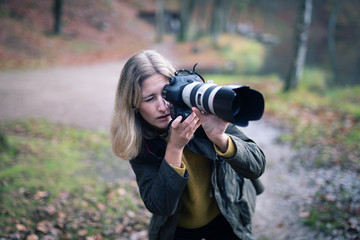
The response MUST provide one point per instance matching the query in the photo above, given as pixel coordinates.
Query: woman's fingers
(181, 132)
(176, 122)
(191, 122)
(198, 113)
(189, 125)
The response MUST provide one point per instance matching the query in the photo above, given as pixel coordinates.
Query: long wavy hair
(127, 126)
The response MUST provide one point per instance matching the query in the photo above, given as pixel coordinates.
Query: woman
(194, 175)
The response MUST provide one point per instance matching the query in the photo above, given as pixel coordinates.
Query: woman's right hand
(180, 135)
(181, 132)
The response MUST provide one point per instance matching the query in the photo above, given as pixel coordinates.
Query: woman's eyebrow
(147, 96)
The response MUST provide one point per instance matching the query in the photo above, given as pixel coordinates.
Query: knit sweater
(198, 207)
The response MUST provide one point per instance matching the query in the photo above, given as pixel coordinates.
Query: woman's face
(153, 108)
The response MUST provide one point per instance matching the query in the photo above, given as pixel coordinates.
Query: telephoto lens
(236, 104)
(233, 103)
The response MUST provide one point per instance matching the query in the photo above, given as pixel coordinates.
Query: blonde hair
(126, 127)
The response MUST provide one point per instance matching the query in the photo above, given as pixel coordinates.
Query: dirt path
(277, 213)
(80, 96)
(83, 96)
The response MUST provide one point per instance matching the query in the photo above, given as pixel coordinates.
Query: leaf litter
(121, 215)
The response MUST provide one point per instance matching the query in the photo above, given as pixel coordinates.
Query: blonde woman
(194, 175)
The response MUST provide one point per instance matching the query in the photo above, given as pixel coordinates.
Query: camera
(236, 104)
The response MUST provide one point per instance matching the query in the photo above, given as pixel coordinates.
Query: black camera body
(233, 103)
(173, 94)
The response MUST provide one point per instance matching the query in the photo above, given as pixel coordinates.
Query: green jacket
(235, 192)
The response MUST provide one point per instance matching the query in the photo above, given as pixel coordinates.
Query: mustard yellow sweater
(198, 208)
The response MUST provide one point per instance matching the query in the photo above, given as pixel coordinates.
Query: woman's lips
(164, 117)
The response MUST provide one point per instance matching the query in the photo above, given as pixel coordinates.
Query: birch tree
(300, 46)
(160, 20)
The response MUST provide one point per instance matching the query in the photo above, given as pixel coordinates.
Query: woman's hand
(180, 135)
(214, 128)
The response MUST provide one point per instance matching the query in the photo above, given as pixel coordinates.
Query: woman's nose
(163, 104)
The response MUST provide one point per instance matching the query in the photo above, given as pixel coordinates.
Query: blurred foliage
(243, 56)
(46, 153)
(335, 207)
(314, 80)
(323, 123)
(238, 54)
(50, 186)
(90, 33)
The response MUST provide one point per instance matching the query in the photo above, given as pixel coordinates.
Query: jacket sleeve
(160, 186)
(249, 160)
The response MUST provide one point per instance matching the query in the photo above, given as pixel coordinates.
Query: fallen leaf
(131, 214)
(32, 237)
(48, 237)
(101, 206)
(82, 232)
(41, 194)
(304, 214)
(121, 191)
(119, 228)
(330, 197)
(43, 226)
(50, 209)
(138, 235)
(21, 227)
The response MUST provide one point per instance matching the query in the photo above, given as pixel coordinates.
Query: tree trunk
(4, 144)
(57, 11)
(186, 9)
(216, 22)
(331, 39)
(301, 38)
(160, 20)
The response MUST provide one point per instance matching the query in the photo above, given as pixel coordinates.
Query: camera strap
(188, 72)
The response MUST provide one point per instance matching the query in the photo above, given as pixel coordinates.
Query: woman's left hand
(214, 128)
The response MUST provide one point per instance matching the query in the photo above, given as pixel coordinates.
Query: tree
(216, 21)
(57, 13)
(221, 16)
(186, 9)
(331, 37)
(300, 47)
(4, 144)
(160, 20)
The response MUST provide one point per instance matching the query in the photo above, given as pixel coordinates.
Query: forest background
(251, 42)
